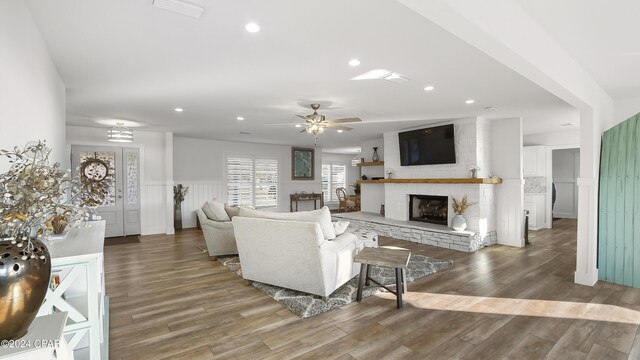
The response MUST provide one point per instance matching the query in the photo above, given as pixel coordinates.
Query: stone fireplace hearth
(429, 208)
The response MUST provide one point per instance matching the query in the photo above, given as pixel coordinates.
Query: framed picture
(302, 163)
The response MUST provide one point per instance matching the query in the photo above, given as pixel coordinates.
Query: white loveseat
(293, 251)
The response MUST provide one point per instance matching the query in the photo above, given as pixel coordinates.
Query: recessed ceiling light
(340, 130)
(568, 124)
(429, 88)
(239, 118)
(470, 101)
(178, 109)
(252, 27)
(298, 125)
(354, 62)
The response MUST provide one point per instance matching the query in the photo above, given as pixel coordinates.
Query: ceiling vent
(180, 7)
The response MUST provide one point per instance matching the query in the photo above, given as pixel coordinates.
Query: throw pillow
(320, 216)
(231, 211)
(214, 210)
(340, 227)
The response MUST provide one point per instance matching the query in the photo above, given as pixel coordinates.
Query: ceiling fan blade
(338, 127)
(345, 120)
(303, 117)
(284, 124)
(302, 131)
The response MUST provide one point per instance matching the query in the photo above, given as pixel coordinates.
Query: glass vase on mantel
(375, 157)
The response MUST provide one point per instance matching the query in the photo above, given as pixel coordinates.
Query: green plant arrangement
(459, 207)
(356, 188)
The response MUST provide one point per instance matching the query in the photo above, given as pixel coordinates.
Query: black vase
(23, 286)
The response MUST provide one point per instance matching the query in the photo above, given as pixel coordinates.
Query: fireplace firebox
(429, 208)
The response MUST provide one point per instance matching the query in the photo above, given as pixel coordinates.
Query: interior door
(121, 206)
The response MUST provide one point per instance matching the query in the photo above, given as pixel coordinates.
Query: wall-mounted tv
(430, 146)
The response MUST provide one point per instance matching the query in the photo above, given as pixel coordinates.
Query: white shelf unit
(79, 262)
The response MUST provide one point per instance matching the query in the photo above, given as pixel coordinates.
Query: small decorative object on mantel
(179, 192)
(459, 223)
(474, 171)
(375, 156)
(389, 173)
(363, 177)
(36, 198)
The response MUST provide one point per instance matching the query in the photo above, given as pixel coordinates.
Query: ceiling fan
(316, 123)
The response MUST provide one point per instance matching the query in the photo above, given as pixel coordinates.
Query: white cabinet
(535, 203)
(533, 160)
(78, 270)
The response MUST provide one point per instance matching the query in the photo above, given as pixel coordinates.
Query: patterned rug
(306, 305)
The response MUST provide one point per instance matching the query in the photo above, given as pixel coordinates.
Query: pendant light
(120, 133)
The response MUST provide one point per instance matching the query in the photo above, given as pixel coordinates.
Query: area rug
(306, 305)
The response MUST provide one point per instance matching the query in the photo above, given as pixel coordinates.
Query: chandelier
(120, 133)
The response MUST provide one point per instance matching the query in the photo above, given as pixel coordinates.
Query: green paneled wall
(619, 216)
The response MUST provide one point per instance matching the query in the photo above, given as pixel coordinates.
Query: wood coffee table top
(391, 256)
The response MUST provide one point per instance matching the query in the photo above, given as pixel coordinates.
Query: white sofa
(218, 235)
(281, 250)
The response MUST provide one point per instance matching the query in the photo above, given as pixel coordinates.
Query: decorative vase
(356, 191)
(458, 223)
(382, 209)
(177, 216)
(23, 286)
(474, 173)
(375, 156)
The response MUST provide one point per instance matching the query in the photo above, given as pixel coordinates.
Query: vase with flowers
(474, 171)
(389, 173)
(459, 223)
(36, 198)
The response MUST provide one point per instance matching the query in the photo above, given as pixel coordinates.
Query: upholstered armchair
(218, 235)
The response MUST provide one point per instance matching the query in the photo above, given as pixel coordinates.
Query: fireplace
(429, 208)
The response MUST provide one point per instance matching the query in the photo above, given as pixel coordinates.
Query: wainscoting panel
(153, 208)
(619, 215)
(199, 193)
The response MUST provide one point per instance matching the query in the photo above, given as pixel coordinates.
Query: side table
(44, 340)
(395, 257)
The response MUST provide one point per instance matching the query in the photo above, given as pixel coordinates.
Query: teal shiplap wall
(619, 215)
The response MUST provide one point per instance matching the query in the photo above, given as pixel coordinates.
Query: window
(333, 177)
(252, 181)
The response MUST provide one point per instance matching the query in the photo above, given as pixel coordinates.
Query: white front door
(121, 206)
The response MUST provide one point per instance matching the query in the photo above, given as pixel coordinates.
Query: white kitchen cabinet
(535, 203)
(533, 160)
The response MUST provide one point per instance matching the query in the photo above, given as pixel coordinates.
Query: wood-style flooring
(169, 301)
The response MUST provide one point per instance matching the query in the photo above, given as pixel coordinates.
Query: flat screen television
(430, 146)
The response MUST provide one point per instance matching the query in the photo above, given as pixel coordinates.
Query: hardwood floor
(169, 301)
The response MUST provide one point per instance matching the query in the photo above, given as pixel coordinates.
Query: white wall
(570, 137)
(566, 168)
(32, 95)
(200, 164)
(506, 153)
(155, 174)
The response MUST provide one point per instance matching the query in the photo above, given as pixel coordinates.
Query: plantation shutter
(240, 181)
(266, 183)
(338, 179)
(326, 181)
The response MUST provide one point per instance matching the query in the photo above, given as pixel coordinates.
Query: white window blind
(252, 181)
(333, 177)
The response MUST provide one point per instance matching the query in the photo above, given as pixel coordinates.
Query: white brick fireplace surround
(473, 143)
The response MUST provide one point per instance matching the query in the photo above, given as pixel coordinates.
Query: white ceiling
(602, 36)
(126, 59)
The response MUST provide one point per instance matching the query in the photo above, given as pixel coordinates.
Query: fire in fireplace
(429, 208)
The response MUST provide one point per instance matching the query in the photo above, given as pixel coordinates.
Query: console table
(77, 262)
(306, 197)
